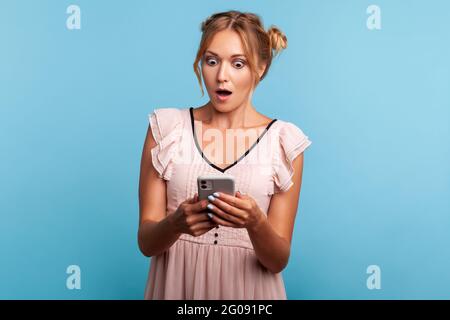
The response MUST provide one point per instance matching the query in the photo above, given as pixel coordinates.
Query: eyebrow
(234, 55)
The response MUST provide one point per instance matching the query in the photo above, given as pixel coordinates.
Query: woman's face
(224, 66)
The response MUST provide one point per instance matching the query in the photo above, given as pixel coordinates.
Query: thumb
(241, 194)
(192, 199)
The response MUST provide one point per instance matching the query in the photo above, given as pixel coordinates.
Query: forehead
(226, 43)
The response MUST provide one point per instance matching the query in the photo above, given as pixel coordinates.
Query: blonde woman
(230, 246)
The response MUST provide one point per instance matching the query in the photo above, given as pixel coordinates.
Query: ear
(261, 70)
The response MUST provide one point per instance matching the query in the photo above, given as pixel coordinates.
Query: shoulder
(169, 110)
(291, 136)
(292, 142)
(167, 114)
(287, 127)
(166, 126)
(165, 120)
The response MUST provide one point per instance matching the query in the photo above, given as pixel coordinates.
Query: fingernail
(210, 215)
(216, 194)
(210, 197)
(210, 206)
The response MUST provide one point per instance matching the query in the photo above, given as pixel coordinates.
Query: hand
(191, 217)
(241, 211)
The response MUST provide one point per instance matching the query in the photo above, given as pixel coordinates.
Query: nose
(222, 74)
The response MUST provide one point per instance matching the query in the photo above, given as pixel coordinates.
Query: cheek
(243, 80)
(205, 72)
(208, 76)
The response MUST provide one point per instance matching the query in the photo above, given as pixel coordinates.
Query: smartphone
(208, 184)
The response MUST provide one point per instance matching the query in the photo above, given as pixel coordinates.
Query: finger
(229, 209)
(225, 215)
(199, 206)
(203, 231)
(234, 201)
(223, 222)
(191, 200)
(241, 195)
(196, 218)
(203, 225)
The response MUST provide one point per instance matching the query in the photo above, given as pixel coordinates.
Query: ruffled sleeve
(292, 142)
(166, 126)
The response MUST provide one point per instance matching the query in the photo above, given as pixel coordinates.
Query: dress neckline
(191, 113)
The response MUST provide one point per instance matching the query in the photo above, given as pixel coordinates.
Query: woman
(239, 251)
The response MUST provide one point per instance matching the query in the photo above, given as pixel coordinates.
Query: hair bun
(278, 40)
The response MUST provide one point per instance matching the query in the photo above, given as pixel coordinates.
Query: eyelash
(212, 58)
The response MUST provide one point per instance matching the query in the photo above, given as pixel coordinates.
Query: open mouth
(223, 93)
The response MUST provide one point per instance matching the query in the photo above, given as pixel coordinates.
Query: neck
(233, 119)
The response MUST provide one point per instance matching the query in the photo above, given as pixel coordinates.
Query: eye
(210, 59)
(240, 64)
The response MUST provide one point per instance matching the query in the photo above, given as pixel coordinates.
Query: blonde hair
(256, 41)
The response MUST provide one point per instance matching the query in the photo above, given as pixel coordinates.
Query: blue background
(375, 104)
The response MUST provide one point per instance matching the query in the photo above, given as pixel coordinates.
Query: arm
(271, 237)
(156, 231)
